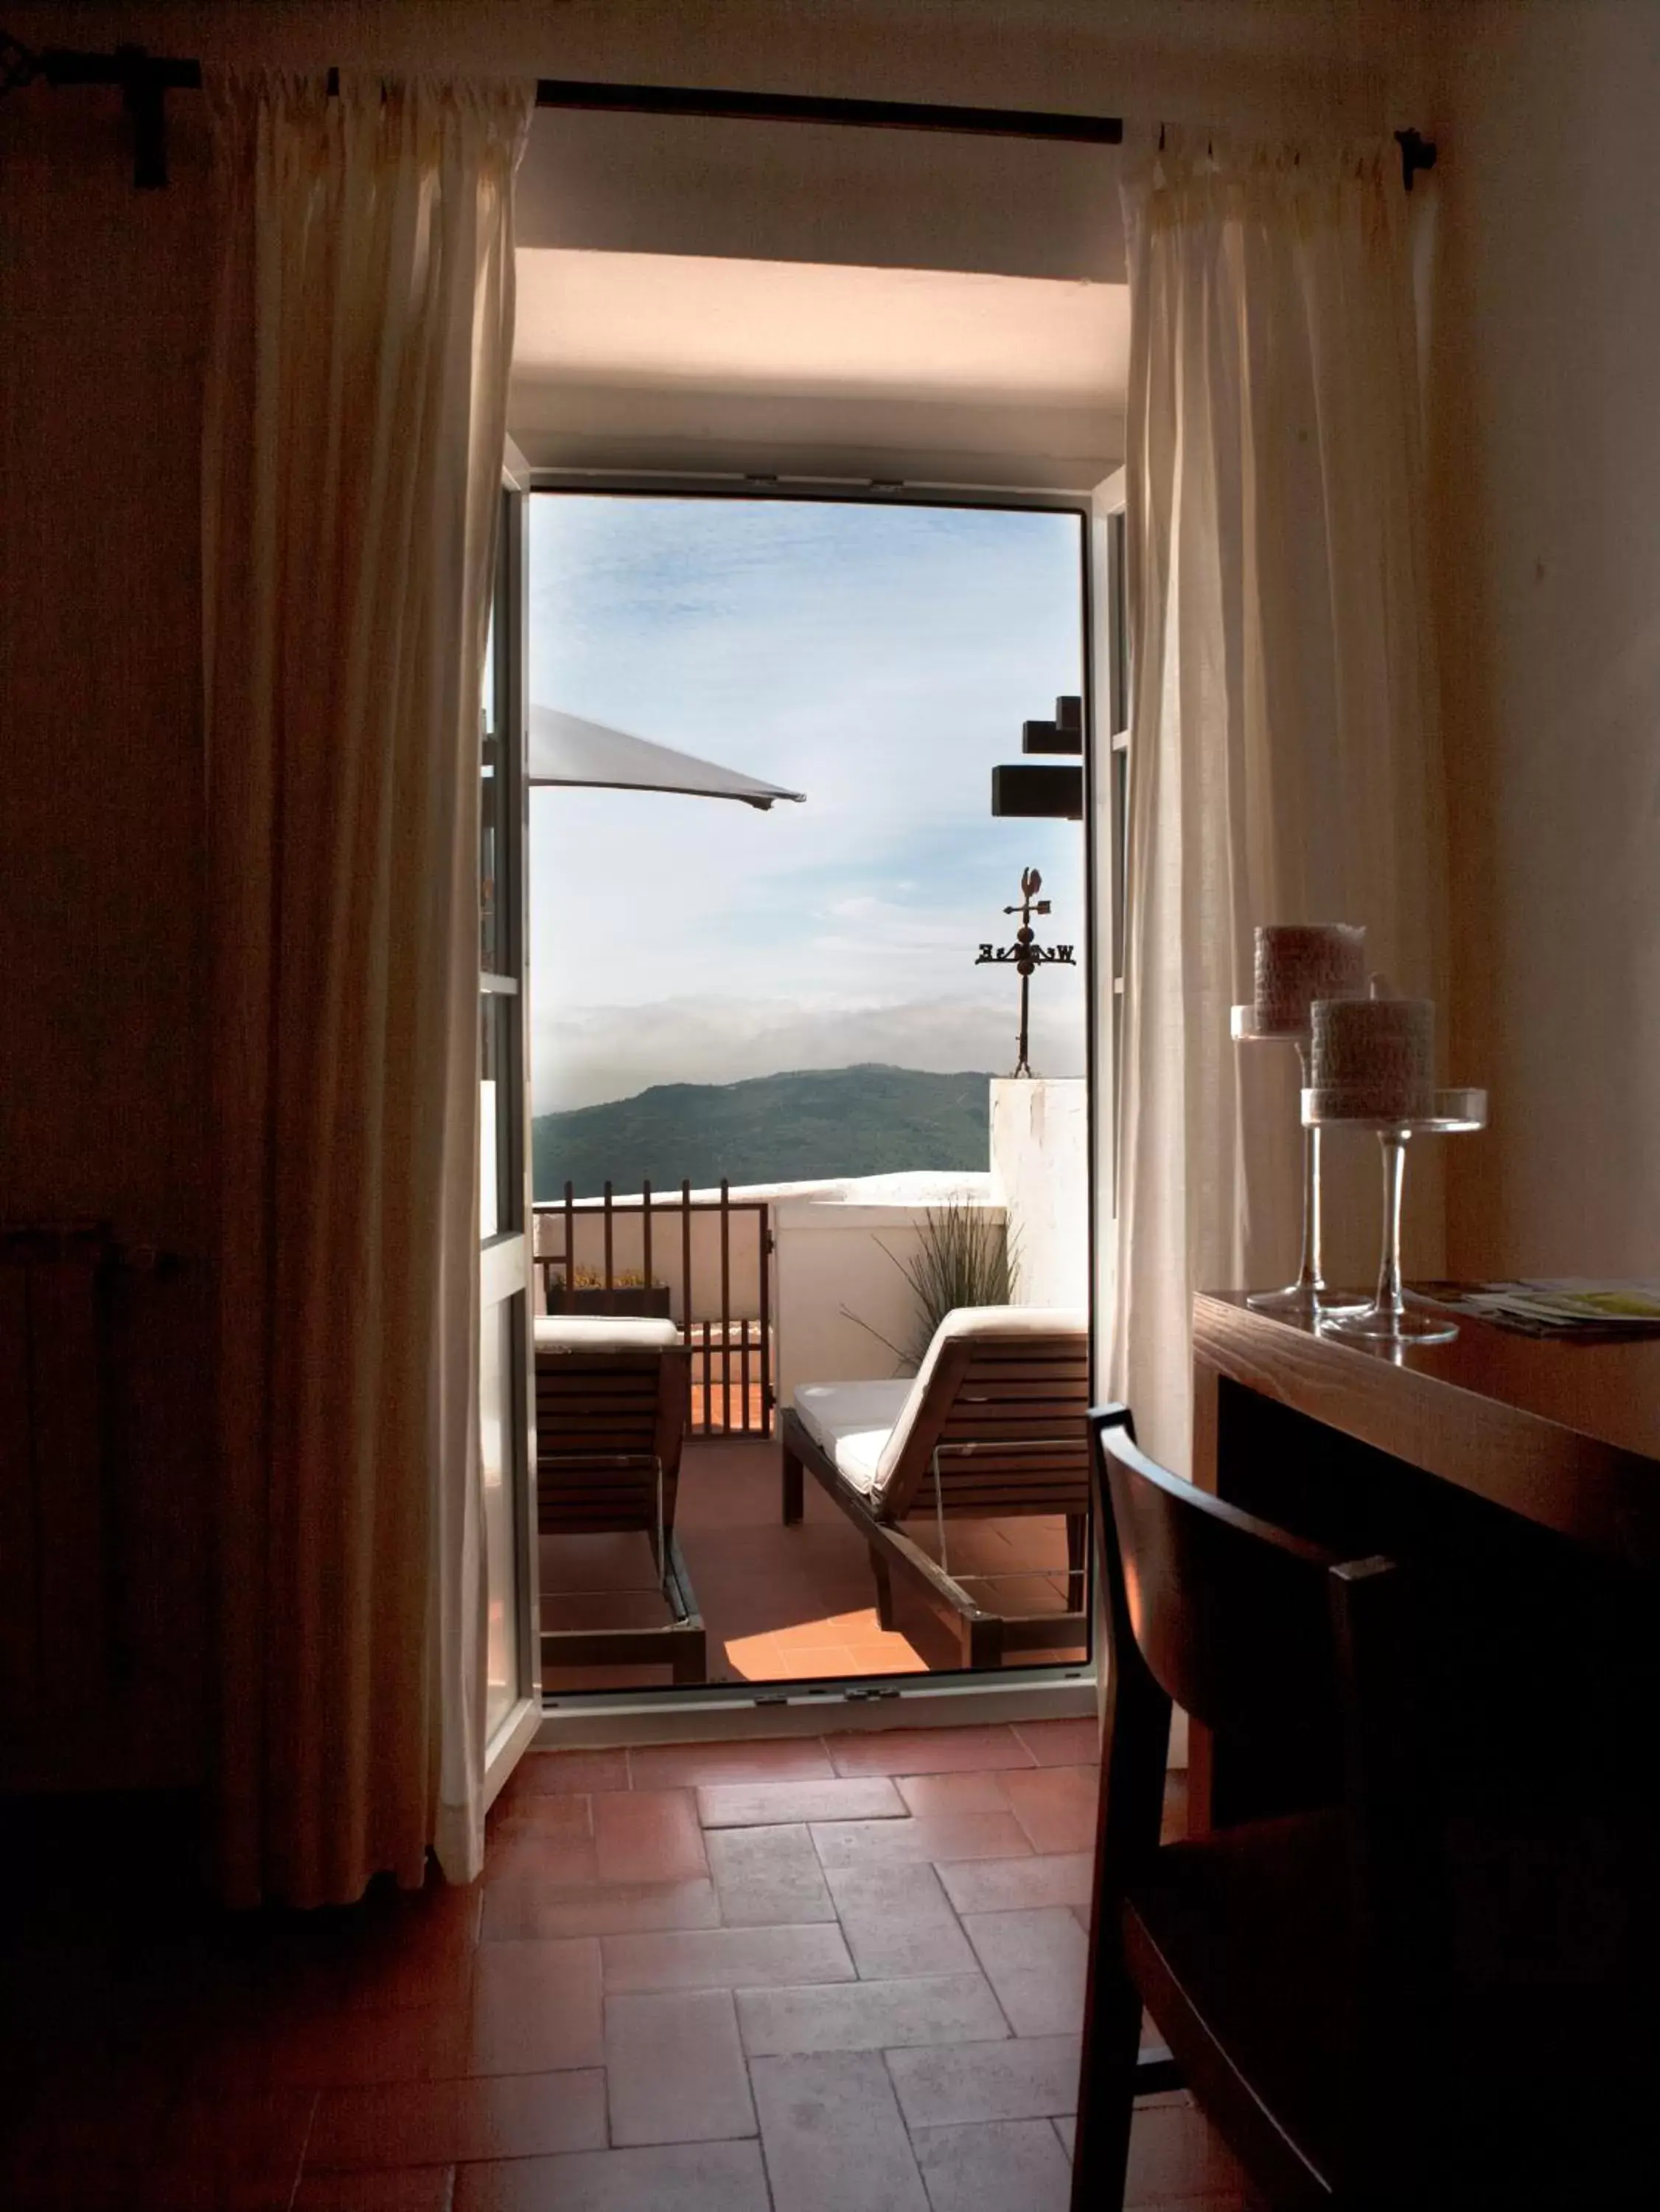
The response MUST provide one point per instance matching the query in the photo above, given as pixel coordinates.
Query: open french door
(506, 1366)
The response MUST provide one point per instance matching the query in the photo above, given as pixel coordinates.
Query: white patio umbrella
(565, 749)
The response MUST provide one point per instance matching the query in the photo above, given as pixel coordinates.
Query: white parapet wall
(839, 1283)
(1040, 1177)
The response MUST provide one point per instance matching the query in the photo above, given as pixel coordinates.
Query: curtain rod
(145, 79)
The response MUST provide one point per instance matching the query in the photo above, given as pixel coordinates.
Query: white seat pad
(604, 1332)
(852, 1421)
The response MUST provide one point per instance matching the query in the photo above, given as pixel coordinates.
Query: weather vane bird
(1025, 954)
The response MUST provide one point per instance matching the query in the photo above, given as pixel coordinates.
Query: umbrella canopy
(565, 749)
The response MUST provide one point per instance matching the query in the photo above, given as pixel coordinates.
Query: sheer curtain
(1282, 764)
(356, 413)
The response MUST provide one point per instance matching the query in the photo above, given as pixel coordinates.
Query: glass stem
(1310, 1276)
(1390, 1301)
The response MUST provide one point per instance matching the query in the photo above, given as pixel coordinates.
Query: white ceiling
(814, 362)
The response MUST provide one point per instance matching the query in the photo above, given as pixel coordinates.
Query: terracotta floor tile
(993, 2165)
(767, 1877)
(1062, 1743)
(1057, 1806)
(1036, 1961)
(674, 2067)
(235, 2154)
(756, 1759)
(1175, 2157)
(444, 2122)
(833, 2134)
(512, 1911)
(927, 1750)
(1013, 1884)
(407, 1950)
(768, 1804)
(870, 2015)
(522, 1860)
(725, 1959)
(934, 1836)
(978, 1791)
(1028, 2079)
(556, 1818)
(536, 2008)
(649, 1836)
(558, 1772)
(721, 2176)
(409, 2189)
(898, 1922)
(410, 2044)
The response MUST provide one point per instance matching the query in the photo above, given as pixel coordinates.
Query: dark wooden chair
(611, 1403)
(993, 1425)
(1343, 1986)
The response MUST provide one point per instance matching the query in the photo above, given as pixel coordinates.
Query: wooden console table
(1519, 1477)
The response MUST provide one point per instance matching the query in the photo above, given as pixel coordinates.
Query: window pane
(499, 1206)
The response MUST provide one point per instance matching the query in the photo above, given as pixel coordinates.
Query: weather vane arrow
(1025, 954)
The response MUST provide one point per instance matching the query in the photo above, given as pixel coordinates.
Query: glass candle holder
(1389, 1322)
(1308, 1296)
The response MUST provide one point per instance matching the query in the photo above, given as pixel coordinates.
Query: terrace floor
(786, 1604)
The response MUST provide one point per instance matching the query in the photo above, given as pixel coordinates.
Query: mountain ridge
(799, 1125)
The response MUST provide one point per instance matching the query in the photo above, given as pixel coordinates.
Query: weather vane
(1026, 953)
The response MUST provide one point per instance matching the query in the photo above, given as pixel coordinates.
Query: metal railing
(703, 1276)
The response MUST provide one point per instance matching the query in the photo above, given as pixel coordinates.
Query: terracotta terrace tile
(1057, 1806)
(536, 2008)
(977, 1791)
(443, 2122)
(1062, 1743)
(758, 1759)
(649, 1836)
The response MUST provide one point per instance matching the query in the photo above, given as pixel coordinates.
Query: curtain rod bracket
(143, 95)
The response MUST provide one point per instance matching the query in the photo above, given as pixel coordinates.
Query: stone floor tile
(769, 1804)
(933, 1836)
(725, 1959)
(898, 1921)
(1028, 2078)
(446, 2123)
(536, 2008)
(1062, 1743)
(832, 2134)
(994, 2166)
(1066, 2126)
(870, 2015)
(927, 1750)
(1015, 1884)
(767, 1877)
(601, 1910)
(675, 2068)
(723, 2176)
(758, 1759)
(1037, 1962)
(648, 1835)
(1057, 1806)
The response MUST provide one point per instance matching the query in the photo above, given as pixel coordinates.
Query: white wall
(839, 1290)
(1040, 1177)
(1545, 305)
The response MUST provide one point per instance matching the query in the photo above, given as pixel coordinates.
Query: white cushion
(864, 1426)
(604, 1332)
(851, 1422)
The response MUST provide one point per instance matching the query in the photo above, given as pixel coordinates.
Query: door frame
(726, 1709)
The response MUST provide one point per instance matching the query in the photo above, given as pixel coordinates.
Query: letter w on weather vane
(1026, 955)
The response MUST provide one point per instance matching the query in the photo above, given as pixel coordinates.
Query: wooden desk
(1519, 1476)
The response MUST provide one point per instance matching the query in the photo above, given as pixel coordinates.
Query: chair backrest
(606, 1422)
(1008, 1417)
(1231, 1617)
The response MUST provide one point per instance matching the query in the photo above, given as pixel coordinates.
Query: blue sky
(879, 659)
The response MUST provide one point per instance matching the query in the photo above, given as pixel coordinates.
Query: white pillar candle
(1374, 1059)
(1298, 963)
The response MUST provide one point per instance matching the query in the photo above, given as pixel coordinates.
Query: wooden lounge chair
(611, 1398)
(993, 1425)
